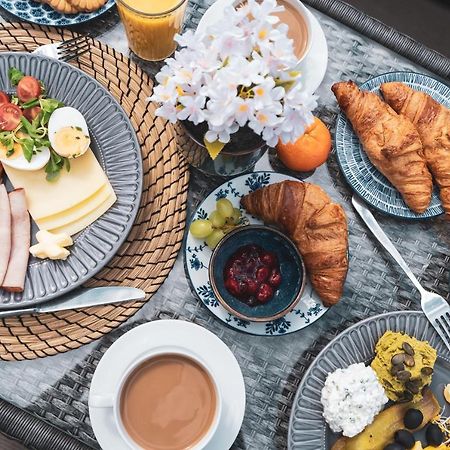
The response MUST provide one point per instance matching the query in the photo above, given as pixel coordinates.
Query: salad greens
(32, 136)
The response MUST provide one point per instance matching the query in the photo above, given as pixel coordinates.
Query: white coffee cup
(296, 4)
(112, 400)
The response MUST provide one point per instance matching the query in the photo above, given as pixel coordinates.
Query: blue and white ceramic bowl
(292, 271)
(361, 174)
(43, 14)
(198, 256)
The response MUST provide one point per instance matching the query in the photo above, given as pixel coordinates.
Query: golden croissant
(432, 121)
(391, 142)
(317, 226)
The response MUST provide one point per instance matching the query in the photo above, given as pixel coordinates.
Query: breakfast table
(44, 401)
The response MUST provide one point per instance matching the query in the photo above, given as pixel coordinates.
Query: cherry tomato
(3, 98)
(32, 113)
(28, 89)
(9, 116)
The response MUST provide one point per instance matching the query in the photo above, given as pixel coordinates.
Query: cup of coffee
(167, 399)
(296, 17)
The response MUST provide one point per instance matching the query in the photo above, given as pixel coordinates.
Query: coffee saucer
(166, 333)
(313, 66)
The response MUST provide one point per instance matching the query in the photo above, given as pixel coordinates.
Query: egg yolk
(16, 153)
(71, 142)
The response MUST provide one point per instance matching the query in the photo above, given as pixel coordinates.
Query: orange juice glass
(151, 25)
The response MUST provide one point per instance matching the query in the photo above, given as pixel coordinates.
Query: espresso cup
(113, 399)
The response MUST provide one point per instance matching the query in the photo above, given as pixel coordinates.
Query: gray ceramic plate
(307, 428)
(116, 147)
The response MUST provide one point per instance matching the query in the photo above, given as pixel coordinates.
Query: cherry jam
(252, 275)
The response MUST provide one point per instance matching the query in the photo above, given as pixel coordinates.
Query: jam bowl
(257, 273)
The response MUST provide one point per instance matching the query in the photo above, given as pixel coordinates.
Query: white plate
(198, 255)
(314, 65)
(159, 333)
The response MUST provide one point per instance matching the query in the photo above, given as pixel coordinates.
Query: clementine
(309, 151)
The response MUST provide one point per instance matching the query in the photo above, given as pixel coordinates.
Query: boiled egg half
(68, 132)
(17, 160)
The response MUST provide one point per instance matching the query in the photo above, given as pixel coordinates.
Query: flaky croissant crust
(390, 141)
(317, 226)
(432, 121)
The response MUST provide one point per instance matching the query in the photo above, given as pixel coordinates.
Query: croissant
(317, 226)
(432, 121)
(390, 141)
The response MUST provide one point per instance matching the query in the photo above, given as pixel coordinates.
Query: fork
(65, 50)
(433, 305)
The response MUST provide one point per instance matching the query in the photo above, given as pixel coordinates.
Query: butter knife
(82, 298)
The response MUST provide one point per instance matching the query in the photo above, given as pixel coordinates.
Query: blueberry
(413, 418)
(394, 446)
(434, 435)
(405, 438)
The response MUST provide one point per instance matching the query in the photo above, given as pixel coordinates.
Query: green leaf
(30, 104)
(15, 75)
(54, 166)
(67, 164)
(10, 152)
(50, 104)
(27, 148)
(29, 128)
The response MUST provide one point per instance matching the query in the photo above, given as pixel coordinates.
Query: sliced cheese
(73, 214)
(81, 223)
(46, 198)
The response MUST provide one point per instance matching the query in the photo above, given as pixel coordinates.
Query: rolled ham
(14, 280)
(5, 232)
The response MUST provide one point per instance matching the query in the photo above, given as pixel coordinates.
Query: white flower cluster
(238, 72)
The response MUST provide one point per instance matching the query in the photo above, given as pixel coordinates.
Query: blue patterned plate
(361, 174)
(198, 255)
(44, 15)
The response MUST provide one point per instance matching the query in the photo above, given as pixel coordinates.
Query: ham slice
(5, 232)
(14, 280)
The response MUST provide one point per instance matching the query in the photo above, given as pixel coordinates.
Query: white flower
(238, 72)
(168, 111)
(193, 108)
(266, 93)
(244, 110)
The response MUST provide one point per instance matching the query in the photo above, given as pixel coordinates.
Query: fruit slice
(381, 431)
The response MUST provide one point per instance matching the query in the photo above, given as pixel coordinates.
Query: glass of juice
(151, 25)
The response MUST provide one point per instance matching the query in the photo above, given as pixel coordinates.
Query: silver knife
(82, 298)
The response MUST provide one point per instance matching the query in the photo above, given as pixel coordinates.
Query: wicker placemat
(149, 253)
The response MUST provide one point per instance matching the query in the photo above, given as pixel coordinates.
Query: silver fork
(434, 306)
(65, 50)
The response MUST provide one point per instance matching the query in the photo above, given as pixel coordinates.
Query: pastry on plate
(317, 226)
(432, 121)
(391, 142)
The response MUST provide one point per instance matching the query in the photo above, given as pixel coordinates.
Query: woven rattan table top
(55, 389)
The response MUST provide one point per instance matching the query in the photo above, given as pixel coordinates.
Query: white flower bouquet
(238, 73)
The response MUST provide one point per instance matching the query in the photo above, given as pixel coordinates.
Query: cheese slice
(78, 211)
(82, 222)
(46, 198)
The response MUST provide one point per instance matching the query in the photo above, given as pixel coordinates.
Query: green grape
(225, 207)
(217, 220)
(235, 218)
(201, 228)
(214, 238)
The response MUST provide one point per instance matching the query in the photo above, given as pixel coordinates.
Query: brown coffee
(298, 31)
(168, 403)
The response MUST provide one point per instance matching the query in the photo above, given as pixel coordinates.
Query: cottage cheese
(351, 399)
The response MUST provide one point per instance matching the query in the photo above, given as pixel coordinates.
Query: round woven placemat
(149, 253)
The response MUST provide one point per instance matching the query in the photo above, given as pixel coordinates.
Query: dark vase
(238, 156)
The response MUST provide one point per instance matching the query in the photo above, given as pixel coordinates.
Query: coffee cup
(200, 425)
(297, 17)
